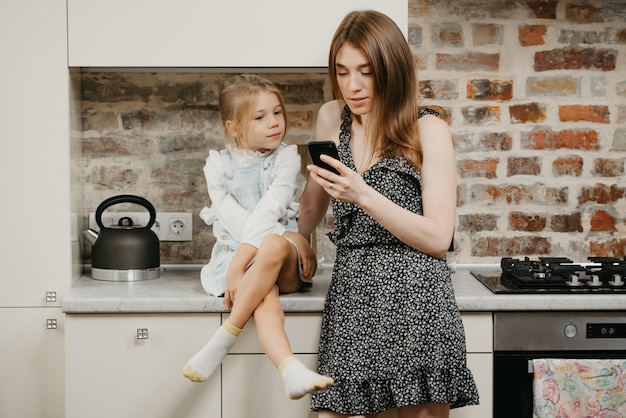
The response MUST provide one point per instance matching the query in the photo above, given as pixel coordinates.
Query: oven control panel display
(606, 330)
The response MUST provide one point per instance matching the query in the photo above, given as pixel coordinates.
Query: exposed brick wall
(534, 92)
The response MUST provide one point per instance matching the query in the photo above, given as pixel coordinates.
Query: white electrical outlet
(168, 226)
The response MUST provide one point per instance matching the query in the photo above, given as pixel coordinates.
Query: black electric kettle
(124, 252)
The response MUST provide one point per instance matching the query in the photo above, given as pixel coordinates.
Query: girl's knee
(275, 246)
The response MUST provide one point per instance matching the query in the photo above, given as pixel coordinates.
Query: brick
(619, 140)
(496, 141)
(484, 89)
(113, 178)
(519, 194)
(531, 223)
(619, 37)
(532, 35)
(490, 141)
(507, 247)
(470, 61)
(461, 195)
(583, 139)
(439, 89)
(301, 91)
(181, 142)
(487, 34)
(481, 115)
(113, 87)
(579, 13)
(447, 34)
(543, 9)
(608, 248)
(107, 146)
(419, 8)
(529, 166)
(527, 113)
(601, 194)
(606, 167)
(566, 223)
(421, 61)
(300, 119)
(585, 113)
(477, 222)
(601, 220)
(575, 59)
(568, 166)
(474, 168)
(99, 120)
(577, 37)
(414, 35)
(598, 86)
(553, 86)
(621, 114)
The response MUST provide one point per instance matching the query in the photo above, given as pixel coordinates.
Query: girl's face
(266, 126)
(355, 78)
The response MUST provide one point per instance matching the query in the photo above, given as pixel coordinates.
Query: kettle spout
(91, 236)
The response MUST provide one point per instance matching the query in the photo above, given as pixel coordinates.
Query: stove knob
(570, 330)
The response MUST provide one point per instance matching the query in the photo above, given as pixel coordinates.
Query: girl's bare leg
(270, 323)
(275, 263)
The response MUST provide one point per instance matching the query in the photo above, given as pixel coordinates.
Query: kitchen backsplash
(534, 93)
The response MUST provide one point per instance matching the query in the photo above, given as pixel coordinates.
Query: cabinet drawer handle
(142, 333)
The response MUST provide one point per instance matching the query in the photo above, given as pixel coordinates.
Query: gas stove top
(599, 275)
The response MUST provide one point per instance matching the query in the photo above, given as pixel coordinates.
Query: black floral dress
(391, 333)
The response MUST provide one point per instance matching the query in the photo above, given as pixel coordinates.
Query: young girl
(253, 186)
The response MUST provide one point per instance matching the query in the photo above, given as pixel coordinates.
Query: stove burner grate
(557, 275)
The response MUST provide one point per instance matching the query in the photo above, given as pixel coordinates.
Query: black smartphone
(317, 148)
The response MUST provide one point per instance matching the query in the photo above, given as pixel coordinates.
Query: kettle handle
(125, 198)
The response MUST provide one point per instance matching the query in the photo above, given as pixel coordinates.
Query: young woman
(253, 186)
(392, 335)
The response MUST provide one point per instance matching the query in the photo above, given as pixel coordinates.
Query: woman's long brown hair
(393, 121)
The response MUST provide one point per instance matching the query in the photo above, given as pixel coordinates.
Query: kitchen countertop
(178, 290)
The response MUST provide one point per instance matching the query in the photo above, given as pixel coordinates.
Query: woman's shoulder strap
(431, 110)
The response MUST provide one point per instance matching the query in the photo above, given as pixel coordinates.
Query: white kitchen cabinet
(31, 364)
(251, 385)
(105, 361)
(129, 366)
(36, 254)
(200, 33)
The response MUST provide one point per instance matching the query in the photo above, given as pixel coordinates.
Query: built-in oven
(520, 337)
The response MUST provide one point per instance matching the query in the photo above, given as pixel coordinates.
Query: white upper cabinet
(210, 33)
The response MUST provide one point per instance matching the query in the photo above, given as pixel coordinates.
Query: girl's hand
(233, 278)
(347, 186)
(236, 269)
(308, 257)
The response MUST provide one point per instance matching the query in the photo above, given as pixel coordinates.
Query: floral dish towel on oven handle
(579, 388)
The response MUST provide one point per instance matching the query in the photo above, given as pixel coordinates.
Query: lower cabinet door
(129, 366)
(31, 362)
(252, 387)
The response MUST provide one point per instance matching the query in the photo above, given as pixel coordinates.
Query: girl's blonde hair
(393, 120)
(237, 98)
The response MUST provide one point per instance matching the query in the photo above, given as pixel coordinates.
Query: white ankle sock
(204, 362)
(299, 380)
